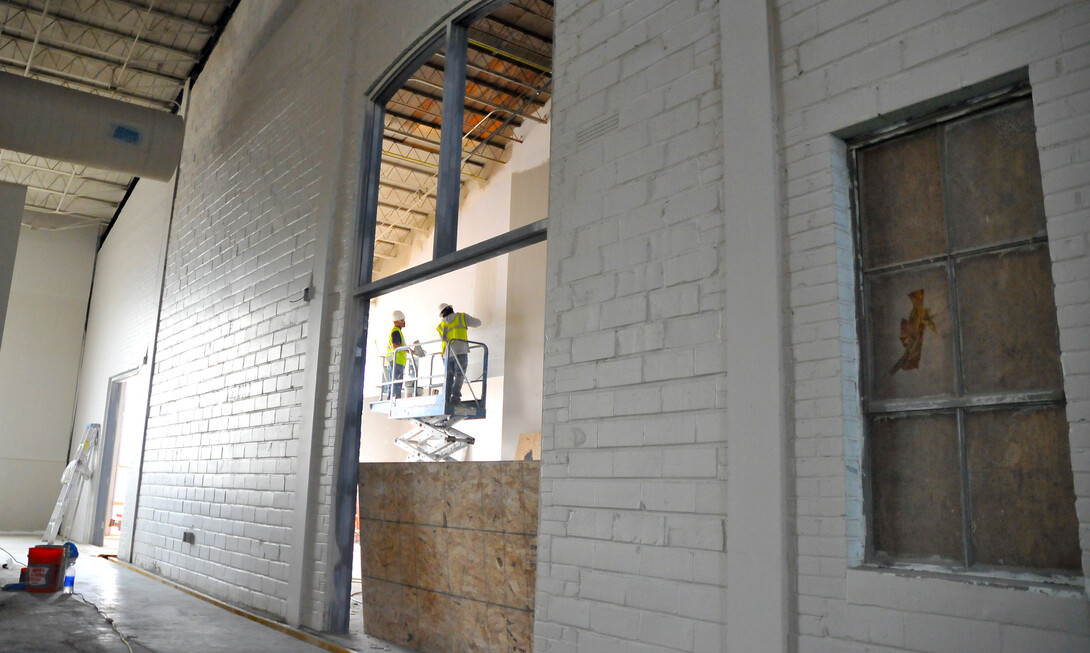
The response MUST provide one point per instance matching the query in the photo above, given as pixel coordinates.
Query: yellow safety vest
(399, 357)
(456, 330)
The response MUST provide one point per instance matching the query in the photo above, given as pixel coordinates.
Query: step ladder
(434, 439)
(73, 479)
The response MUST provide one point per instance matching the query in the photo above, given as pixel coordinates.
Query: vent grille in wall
(596, 129)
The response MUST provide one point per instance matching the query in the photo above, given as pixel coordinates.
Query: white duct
(12, 198)
(48, 120)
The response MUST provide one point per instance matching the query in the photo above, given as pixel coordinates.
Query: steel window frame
(961, 403)
(446, 258)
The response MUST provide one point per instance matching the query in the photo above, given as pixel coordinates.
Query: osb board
(529, 447)
(1021, 488)
(449, 554)
(901, 194)
(916, 487)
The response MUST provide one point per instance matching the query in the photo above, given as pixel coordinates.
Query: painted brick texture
(633, 465)
(842, 64)
(226, 398)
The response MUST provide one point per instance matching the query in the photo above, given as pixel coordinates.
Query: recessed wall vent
(596, 129)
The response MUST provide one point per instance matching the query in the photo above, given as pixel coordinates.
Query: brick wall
(842, 65)
(227, 397)
(632, 517)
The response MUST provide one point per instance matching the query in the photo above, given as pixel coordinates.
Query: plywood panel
(1010, 340)
(529, 447)
(911, 334)
(450, 562)
(916, 487)
(900, 189)
(1022, 488)
(994, 179)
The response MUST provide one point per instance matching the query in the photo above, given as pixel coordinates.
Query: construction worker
(395, 359)
(454, 330)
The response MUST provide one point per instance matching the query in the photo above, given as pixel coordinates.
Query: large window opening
(467, 111)
(506, 294)
(966, 433)
(454, 208)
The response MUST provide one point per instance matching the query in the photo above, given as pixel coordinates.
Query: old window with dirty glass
(969, 466)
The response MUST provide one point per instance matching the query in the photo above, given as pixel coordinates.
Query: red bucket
(45, 568)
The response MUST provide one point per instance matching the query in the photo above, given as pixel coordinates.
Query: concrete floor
(117, 609)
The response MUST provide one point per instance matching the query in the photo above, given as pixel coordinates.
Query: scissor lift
(426, 402)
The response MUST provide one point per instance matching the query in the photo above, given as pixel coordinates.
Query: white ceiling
(138, 51)
(144, 51)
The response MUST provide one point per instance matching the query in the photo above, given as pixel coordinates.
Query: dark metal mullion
(530, 234)
(948, 113)
(958, 254)
(347, 460)
(959, 372)
(367, 220)
(450, 143)
(969, 402)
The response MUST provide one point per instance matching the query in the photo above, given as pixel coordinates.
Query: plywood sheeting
(449, 554)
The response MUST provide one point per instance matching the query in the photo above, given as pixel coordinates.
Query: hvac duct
(48, 120)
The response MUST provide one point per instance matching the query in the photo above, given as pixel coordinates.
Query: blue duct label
(127, 134)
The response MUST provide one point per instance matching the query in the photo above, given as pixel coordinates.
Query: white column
(12, 199)
(757, 534)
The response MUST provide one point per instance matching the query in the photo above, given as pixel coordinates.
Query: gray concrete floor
(117, 609)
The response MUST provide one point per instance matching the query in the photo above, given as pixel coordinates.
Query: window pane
(994, 178)
(900, 192)
(1021, 488)
(915, 487)
(505, 142)
(1008, 321)
(910, 333)
(409, 174)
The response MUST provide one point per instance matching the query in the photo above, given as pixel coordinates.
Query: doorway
(121, 441)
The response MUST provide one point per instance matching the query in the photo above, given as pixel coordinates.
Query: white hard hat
(398, 316)
(443, 307)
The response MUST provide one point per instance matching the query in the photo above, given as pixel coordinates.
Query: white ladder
(75, 474)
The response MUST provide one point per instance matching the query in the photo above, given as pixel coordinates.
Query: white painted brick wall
(226, 401)
(632, 479)
(841, 64)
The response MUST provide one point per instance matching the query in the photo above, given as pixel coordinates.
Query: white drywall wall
(524, 353)
(39, 364)
(121, 326)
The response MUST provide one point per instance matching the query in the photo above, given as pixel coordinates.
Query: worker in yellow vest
(454, 330)
(395, 358)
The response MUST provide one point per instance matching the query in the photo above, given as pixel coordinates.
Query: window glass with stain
(967, 443)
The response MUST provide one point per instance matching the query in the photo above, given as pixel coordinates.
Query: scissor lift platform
(428, 405)
(434, 405)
